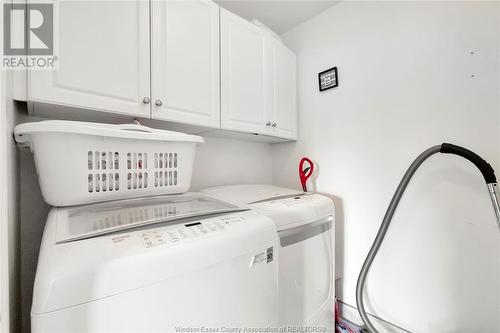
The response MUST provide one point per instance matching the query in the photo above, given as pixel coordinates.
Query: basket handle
(142, 129)
(136, 128)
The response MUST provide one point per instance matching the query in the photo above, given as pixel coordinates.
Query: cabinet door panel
(103, 58)
(243, 93)
(283, 63)
(185, 54)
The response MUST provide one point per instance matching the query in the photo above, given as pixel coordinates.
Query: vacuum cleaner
(445, 148)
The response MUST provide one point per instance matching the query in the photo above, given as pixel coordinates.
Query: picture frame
(328, 79)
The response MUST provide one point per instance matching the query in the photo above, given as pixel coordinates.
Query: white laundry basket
(79, 162)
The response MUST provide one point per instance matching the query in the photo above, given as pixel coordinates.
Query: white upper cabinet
(258, 80)
(185, 62)
(243, 81)
(103, 58)
(283, 76)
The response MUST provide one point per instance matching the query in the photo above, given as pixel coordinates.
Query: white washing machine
(156, 264)
(304, 222)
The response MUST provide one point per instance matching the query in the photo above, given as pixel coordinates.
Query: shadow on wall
(339, 242)
(339, 231)
(32, 216)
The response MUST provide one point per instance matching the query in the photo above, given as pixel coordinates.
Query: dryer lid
(93, 220)
(288, 208)
(248, 194)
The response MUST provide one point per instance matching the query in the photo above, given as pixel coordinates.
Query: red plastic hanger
(305, 171)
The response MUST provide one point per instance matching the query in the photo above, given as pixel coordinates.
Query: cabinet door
(243, 83)
(103, 58)
(185, 67)
(284, 92)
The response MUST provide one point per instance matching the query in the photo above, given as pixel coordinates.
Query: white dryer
(304, 222)
(156, 264)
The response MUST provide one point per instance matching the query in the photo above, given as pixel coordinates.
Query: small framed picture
(328, 79)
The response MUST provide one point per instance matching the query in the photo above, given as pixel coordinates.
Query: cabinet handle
(274, 124)
(158, 102)
(268, 123)
(146, 100)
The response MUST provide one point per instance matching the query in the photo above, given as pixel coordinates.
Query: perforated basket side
(89, 169)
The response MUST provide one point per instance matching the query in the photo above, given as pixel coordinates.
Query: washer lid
(87, 270)
(89, 221)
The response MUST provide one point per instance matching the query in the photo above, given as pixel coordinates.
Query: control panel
(293, 201)
(181, 232)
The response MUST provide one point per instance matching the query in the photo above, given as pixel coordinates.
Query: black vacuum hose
(446, 148)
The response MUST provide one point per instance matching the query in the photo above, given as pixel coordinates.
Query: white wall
(3, 208)
(412, 75)
(226, 161)
(9, 226)
(9, 223)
